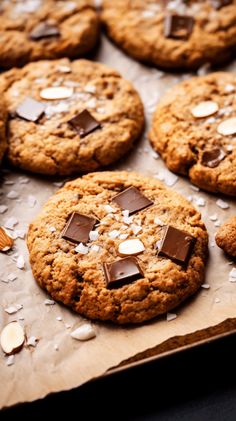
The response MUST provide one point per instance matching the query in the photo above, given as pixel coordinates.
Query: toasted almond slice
(56, 92)
(131, 247)
(227, 127)
(205, 109)
(6, 241)
(12, 338)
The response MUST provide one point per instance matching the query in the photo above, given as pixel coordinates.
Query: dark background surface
(197, 384)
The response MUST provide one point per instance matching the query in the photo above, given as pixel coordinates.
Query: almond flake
(12, 338)
(131, 247)
(227, 127)
(84, 332)
(205, 109)
(56, 92)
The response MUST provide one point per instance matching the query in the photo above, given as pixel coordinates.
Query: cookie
(173, 34)
(194, 130)
(118, 246)
(226, 236)
(31, 30)
(3, 119)
(69, 117)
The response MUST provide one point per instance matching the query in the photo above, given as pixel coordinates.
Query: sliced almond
(205, 109)
(227, 127)
(12, 338)
(57, 92)
(131, 247)
(6, 241)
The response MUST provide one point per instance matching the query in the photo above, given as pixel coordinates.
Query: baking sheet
(58, 362)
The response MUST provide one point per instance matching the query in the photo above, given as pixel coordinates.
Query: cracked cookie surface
(139, 28)
(226, 236)
(194, 121)
(51, 145)
(76, 277)
(75, 26)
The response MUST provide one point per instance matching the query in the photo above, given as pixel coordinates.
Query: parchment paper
(44, 369)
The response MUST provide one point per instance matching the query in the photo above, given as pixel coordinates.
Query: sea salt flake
(204, 70)
(56, 348)
(12, 195)
(3, 208)
(32, 341)
(128, 219)
(20, 234)
(95, 248)
(230, 88)
(200, 201)
(52, 229)
(213, 217)
(11, 277)
(217, 223)
(135, 228)
(12, 309)
(10, 223)
(123, 236)
(232, 275)
(222, 204)
(125, 213)
(58, 183)
(81, 249)
(155, 155)
(23, 180)
(48, 302)
(93, 235)
(91, 89)
(158, 221)
(9, 182)
(20, 262)
(59, 318)
(194, 188)
(10, 360)
(217, 300)
(109, 209)
(168, 177)
(114, 234)
(170, 317)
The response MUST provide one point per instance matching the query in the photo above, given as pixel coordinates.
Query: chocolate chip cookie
(68, 117)
(226, 236)
(175, 33)
(31, 30)
(194, 130)
(118, 246)
(3, 119)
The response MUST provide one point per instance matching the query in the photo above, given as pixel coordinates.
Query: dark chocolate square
(178, 26)
(121, 272)
(30, 109)
(44, 30)
(213, 157)
(84, 123)
(132, 199)
(177, 245)
(78, 228)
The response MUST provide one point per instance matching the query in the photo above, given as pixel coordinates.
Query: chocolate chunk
(84, 123)
(44, 30)
(132, 200)
(30, 109)
(78, 228)
(178, 26)
(176, 245)
(121, 272)
(212, 158)
(218, 4)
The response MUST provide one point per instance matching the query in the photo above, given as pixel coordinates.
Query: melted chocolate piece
(121, 272)
(78, 228)
(30, 109)
(213, 157)
(44, 30)
(178, 26)
(84, 123)
(177, 245)
(132, 200)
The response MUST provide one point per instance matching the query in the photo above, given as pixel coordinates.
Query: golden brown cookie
(226, 236)
(31, 30)
(174, 33)
(3, 120)
(118, 246)
(194, 129)
(69, 117)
